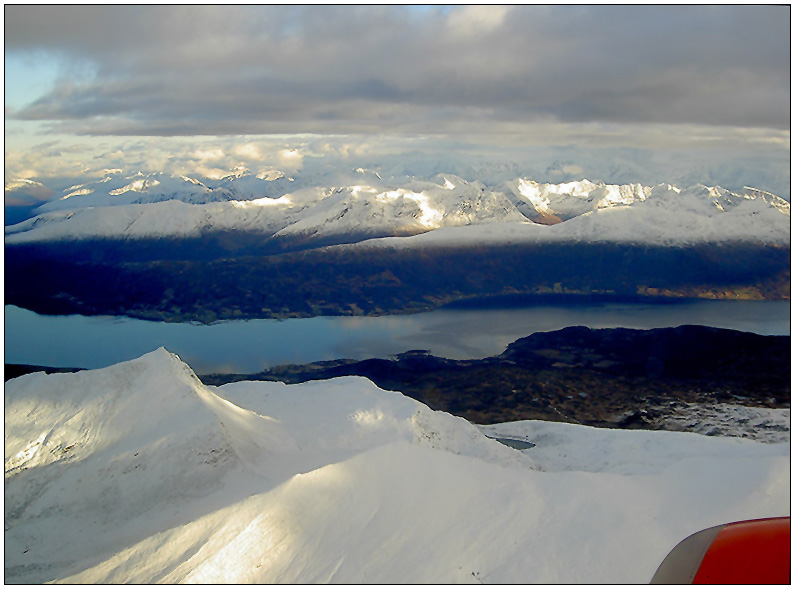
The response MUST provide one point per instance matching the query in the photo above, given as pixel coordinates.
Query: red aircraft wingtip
(747, 552)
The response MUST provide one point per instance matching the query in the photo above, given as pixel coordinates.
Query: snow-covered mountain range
(277, 207)
(139, 473)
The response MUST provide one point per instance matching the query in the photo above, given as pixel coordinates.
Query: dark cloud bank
(228, 70)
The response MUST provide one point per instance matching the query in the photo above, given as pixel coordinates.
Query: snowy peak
(118, 189)
(416, 208)
(99, 448)
(151, 413)
(24, 192)
(548, 204)
(247, 186)
(276, 207)
(123, 411)
(73, 417)
(770, 199)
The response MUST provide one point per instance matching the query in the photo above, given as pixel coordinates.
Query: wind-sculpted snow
(158, 205)
(138, 473)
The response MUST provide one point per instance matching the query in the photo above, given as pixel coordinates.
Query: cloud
(683, 155)
(213, 70)
(212, 153)
(686, 91)
(290, 159)
(249, 151)
(476, 20)
(568, 170)
(84, 159)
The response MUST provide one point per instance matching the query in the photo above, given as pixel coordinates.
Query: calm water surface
(254, 345)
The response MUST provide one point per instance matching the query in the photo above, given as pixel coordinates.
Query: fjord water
(254, 345)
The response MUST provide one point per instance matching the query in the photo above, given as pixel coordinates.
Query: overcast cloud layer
(649, 77)
(187, 70)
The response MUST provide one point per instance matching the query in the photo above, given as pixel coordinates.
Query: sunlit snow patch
(261, 202)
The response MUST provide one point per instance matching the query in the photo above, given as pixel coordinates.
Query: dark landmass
(229, 276)
(16, 370)
(618, 378)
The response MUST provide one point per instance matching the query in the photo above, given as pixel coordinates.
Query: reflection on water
(251, 346)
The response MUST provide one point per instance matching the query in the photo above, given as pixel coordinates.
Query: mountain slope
(137, 473)
(159, 206)
(667, 216)
(385, 246)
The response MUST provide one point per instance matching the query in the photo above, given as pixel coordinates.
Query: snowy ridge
(138, 473)
(522, 210)
(171, 218)
(117, 190)
(552, 203)
(24, 192)
(666, 216)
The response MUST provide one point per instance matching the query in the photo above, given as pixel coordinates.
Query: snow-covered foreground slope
(444, 209)
(138, 473)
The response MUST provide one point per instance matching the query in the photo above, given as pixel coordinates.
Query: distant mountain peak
(369, 206)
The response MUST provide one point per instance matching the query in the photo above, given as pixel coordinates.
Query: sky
(620, 93)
